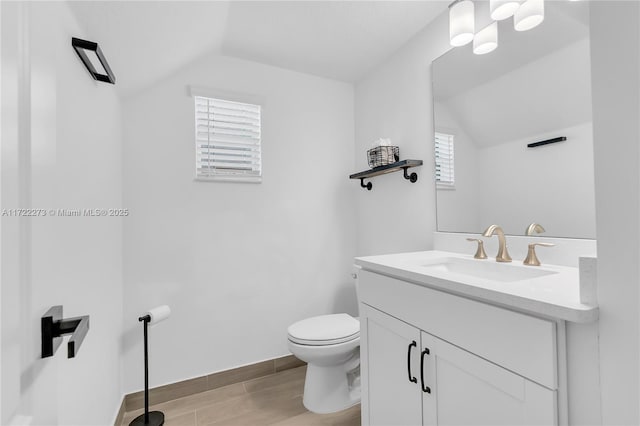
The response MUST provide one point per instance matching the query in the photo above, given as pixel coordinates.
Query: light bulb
(503, 9)
(486, 40)
(529, 15)
(461, 22)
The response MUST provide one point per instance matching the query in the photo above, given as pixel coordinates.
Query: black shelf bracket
(53, 327)
(369, 185)
(413, 177)
(389, 168)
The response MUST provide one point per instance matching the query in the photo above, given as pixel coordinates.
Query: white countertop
(556, 295)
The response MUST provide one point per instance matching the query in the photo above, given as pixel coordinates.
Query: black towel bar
(53, 327)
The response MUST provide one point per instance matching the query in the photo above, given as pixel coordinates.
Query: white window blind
(228, 140)
(445, 174)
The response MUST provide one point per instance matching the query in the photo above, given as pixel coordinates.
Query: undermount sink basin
(485, 269)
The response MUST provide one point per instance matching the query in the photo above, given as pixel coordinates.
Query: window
(228, 140)
(445, 176)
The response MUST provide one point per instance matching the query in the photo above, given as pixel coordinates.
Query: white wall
(237, 263)
(68, 156)
(615, 53)
(395, 101)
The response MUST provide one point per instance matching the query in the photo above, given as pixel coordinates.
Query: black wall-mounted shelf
(389, 168)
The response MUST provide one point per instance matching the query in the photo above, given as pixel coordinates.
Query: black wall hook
(53, 327)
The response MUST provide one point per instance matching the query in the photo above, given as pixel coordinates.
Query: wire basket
(383, 155)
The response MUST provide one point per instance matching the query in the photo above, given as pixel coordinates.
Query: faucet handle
(480, 254)
(534, 228)
(532, 259)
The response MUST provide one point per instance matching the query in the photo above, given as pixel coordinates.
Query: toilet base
(331, 389)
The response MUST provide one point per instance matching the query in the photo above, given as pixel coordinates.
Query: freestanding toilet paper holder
(153, 418)
(53, 327)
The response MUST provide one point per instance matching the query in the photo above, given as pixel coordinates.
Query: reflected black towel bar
(547, 142)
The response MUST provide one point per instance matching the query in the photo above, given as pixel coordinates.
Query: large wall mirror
(534, 87)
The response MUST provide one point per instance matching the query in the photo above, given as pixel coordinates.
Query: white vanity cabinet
(471, 363)
(415, 378)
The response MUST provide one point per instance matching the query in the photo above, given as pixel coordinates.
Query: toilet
(330, 345)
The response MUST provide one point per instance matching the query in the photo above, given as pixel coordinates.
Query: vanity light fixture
(526, 14)
(503, 9)
(486, 40)
(529, 15)
(461, 22)
(93, 59)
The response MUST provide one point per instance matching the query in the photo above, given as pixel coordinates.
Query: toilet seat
(324, 330)
(323, 342)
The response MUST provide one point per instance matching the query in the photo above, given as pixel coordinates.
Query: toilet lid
(325, 330)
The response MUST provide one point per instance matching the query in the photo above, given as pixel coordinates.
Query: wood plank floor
(271, 400)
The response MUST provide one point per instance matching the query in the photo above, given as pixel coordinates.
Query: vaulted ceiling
(146, 41)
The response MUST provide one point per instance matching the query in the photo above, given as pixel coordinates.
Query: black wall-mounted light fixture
(93, 59)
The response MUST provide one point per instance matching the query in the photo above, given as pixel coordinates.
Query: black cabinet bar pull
(426, 389)
(412, 378)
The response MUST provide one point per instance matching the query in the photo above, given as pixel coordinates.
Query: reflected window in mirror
(445, 167)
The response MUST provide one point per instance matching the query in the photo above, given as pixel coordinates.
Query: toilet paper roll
(158, 314)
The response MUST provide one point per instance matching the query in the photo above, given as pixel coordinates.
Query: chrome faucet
(503, 254)
(534, 228)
